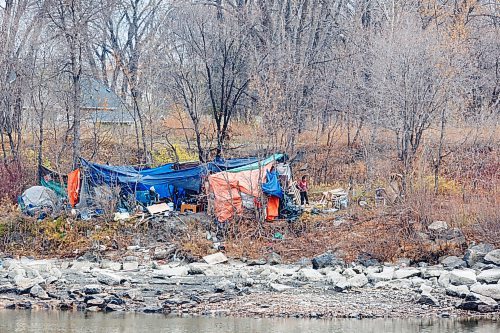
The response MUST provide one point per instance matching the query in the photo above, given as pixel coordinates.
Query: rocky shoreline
(324, 287)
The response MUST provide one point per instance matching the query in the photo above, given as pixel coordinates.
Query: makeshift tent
(38, 197)
(53, 180)
(227, 186)
(169, 181)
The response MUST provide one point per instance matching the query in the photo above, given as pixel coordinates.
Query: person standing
(303, 188)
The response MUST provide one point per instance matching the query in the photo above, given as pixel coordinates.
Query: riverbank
(324, 287)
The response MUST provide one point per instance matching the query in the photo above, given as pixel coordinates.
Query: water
(70, 322)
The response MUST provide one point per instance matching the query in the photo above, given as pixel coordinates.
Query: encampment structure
(223, 187)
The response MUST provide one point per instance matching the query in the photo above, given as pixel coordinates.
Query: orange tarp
(73, 186)
(273, 204)
(227, 186)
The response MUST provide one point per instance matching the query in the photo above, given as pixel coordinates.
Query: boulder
(274, 259)
(493, 257)
(342, 285)
(97, 301)
(223, 285)
(463, 276)
(453, 262)
(256, 262)
(475, 301)
(367, 260)
(405, 273)
(428, 299)
(113, 307)
(348, 273)
(93, 309)
(417, 281)
(198, 268)
(6, 288)
(37, 291)
(457, 291)
(110, 279)
(438, 226)
(489, 276)
(114, 266)
(432, 271)
(335, 277)
(327, 259)
(23, 285)
(444, 279)
(425, 289)
(387, 274)
(489, 290)
(358, 281)
(477, 253)
(279, 287)
(130, 266)
(92, 289)
(167, 272)
(309, 275)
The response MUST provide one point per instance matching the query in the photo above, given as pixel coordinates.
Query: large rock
(432, 271)
(428, 299)
(110, 279)
(198, 268)
(348, 273)
(342, 285)
(274, 259)
(475, 302)
(444, 280)
(457, 291)
(489, 290)
(112, 265)
(167, 272)
(463, 276)
(367, 260)
(37, 291)
(25, 284)
(438, 226)
(223, 286)
(358, 281)
(6, 288)
(92, 289)
(489, 276)
(405, 273)
(309, 275)
(130, 266)
(477, 253)
(493, 257)
(387, 274)
(327, 259)
(335, 277)
(453, 262)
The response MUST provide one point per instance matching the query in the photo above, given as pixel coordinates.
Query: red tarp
(73, 186)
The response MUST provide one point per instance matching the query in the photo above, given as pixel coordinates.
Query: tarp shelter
(38, 197)
(165, 179)
(227, 187)
(53, 180)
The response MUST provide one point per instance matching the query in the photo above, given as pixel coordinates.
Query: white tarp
(39, 196)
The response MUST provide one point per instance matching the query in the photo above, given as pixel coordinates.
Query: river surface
(71, 322)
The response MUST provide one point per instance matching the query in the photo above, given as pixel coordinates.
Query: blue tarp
(272, 185)
(164, 179)
(134, 180)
